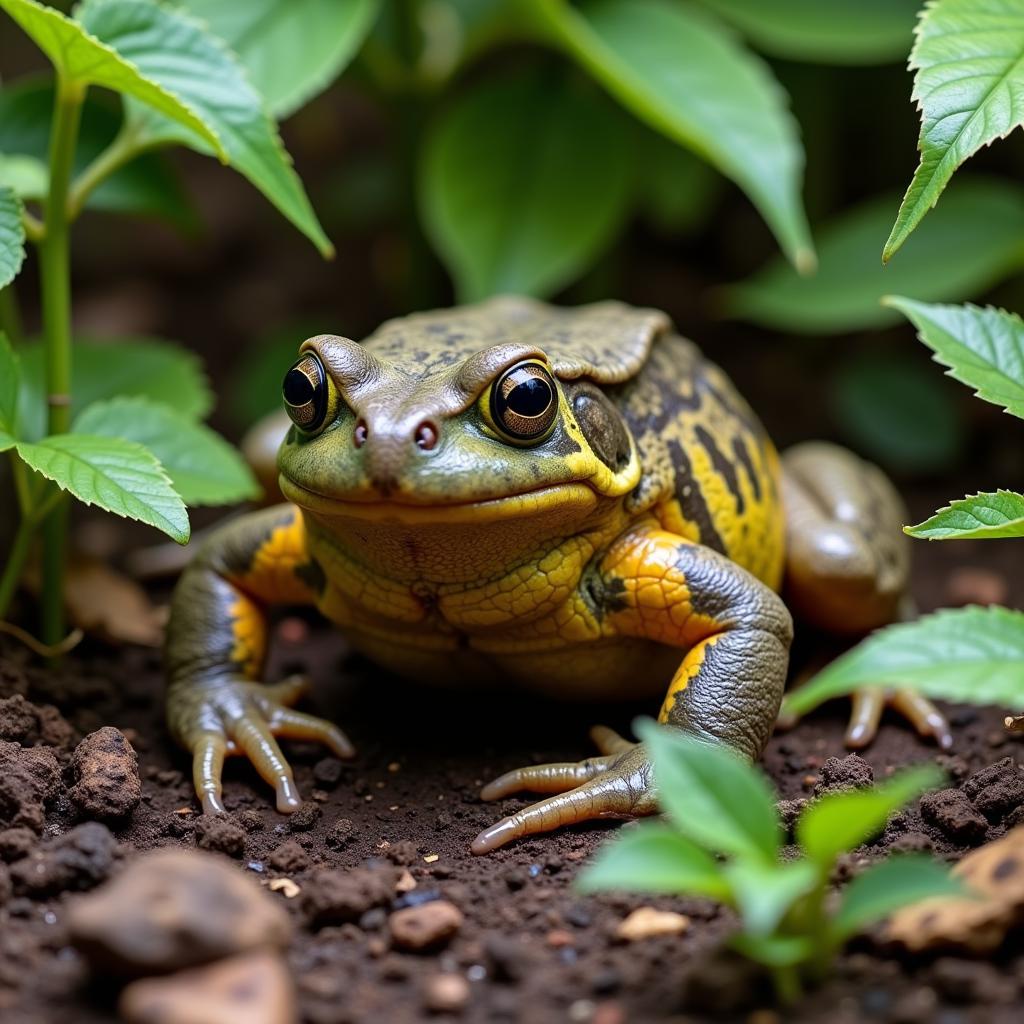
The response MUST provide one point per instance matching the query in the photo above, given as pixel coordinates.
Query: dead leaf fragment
(995, 874)
(288, 888)
(648, 923)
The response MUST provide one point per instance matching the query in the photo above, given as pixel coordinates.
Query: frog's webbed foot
(616, 784)
(246, 718)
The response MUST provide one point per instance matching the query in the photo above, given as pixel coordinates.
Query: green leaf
(522, 183)
(292, 49)
(25, 176)
(773, 950)
(976, 517)
(652, 857)
(171, 48)
(139, 367)
(896, 410)
(968, 655)
(983, 348)
(12, 236)
(764, 893)
(685, 75)
(969, 59)
(117, 475)
(7, 441)
(147, 185)
(712, 796)
(10, 378)
(838, 822)
(981, 220)
(835, 32)
(883, 888)
(204, 469)
(86, 60)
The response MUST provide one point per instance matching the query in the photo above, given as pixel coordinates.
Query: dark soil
(527, 945)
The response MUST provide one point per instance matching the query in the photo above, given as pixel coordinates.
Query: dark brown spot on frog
(691, 498)
(312, 574)
(722, 466)
(739, 449)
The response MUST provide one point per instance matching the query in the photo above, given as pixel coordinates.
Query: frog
(575, 501)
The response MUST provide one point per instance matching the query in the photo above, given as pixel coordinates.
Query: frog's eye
(306, 394)
(524, 402)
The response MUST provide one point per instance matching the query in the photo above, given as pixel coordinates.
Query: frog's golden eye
(524, 402)
(306, 394)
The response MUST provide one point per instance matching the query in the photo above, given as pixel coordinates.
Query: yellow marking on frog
(689, 669)
(249, 632)
(271, 574)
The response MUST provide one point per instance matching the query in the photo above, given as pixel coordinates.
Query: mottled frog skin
(571, 500)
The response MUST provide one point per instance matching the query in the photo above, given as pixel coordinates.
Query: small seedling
(723, 840)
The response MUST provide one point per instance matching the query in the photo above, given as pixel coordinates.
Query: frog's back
(711, 473)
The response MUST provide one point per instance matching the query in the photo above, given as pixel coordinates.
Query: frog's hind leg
(848, 567)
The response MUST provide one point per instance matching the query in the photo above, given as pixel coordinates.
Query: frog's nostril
(426, 436)
(360, 434)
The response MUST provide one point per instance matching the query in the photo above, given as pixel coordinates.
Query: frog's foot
(868, 704)
(240, 717)
(617, 784)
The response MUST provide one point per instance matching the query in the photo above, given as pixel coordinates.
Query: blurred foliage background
(738, 163)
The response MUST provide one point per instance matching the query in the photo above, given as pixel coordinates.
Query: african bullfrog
(570, 500)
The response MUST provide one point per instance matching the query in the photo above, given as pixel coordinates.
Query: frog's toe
(923, 715)
(622, 789)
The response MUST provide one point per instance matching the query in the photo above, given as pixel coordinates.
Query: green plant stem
(15, 563)
(10, 315)
(122, 149)
(787, 984)
(55, 280)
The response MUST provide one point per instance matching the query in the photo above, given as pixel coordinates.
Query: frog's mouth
(572, 499)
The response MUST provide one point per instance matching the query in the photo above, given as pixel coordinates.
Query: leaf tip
(806, 261)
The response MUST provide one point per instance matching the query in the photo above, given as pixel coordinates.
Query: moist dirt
(512, 940)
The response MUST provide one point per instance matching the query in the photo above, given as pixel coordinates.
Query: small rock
(403, 853)
(446, 993)
(76, 861)
(340, 834)
(508, 959)
(289, 857)
(337, 897)
(559, 938)
(425, 927)
(406, 883)
(29, 779)
(251, 820)
(327, 772)
(841, 773)
(6, 886)
(174, 908)
(251, 989)
(106, 772)
(951, 811)
(219, 833)
(647, 923)
(34, 724)
(973, 585)
(789, 811)
(966, 981)
(16, 843)
(912, 842)
(997, 790)
(305, 817)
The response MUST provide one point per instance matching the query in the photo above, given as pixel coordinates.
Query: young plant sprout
(722, 839)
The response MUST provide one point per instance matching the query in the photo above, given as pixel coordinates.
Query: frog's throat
(575, 500)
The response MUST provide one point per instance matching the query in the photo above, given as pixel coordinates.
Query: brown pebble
(446, 993)
(973, 585)
(425, 927)
(609, 1013)
(106, 772)
(251, 989)
(647, 922)
(174, 908)
(559, 938)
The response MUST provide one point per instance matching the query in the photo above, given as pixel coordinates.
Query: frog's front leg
(216, 642)
(736, 633)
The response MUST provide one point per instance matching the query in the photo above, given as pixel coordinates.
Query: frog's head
(472, 416)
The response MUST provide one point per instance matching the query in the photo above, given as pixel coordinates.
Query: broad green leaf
(764, 893)
(292, 49)
(117, 475)
(773, 950)
(12, 236)
(7, 441)
(897, 410)
(146, 185)
(712, 796)
(652, 857)
(983, 348)
(830, 32)
(976, 517)
(685, 75)
(10, 378)
(173, 49)
(204, 469)
(86, 60)
(25, 176)
(969, 59)
(981, 221)
(968, 655)
(838, 822)
(883, 888)
(522, 183)
(139, 367)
